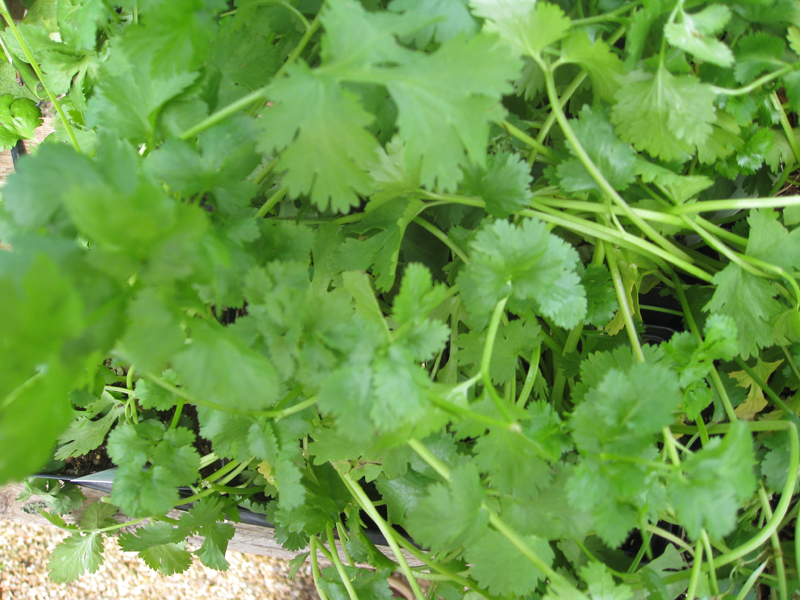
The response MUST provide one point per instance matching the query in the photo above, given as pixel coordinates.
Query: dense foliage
(406, 266)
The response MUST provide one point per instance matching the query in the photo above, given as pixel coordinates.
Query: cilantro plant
(514, 279)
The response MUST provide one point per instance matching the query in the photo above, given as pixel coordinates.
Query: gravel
(25, 550)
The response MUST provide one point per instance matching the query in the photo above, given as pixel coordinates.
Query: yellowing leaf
(755, 401)
(265, 468)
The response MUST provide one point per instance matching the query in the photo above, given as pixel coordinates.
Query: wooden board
(250, 539)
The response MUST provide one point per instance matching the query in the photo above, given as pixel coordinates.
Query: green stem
(437, 465)
(536, 145)
(788, 132)
(768, 391)
(337, 562)
(486, 359)
(222, 471)
(622, 298)
(530, 378)
(224, 113)
(783, 504)
(447, 573)
(607, 234)
(561, 379)
(315, 567)
(663, 533)
(35, 66)
(442, 237)
(696, 571)
(598, 176)
(471, 415)
(177, 415)
(736, 204)
(271, 202)
(387, 531)
(780, 567)
(119, 390)
(751, 581)
(343, 538)
(710, 560)
(756, 84)
(690, 320)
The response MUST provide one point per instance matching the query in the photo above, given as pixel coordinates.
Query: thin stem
(598, 176)
(437, 465)
(768, 390)
(17, 392)
(486, 359)
(696, 571)
(710, 560)
(791, 362)
(715, 378)
(787, 130)
(176, 417)
(622, 298)
(530, 378)
(751, 581)
(222, 471)
(387, 531)
(736, 204)
(224, 113)
(315, 568)
(442, 237)
(271, 202)
(535, 144)
(337, 562)
(35, 65)
(780, 567)
(471, 415)
(343, 538)
(756, 84)
(593, 230)
(561, 379)
(451, 575)
(663, 533)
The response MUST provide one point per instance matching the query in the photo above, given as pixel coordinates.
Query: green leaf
(527, 25)
(632, 405)
(512, 462)
(450, 515)
(78, 21)
(218, 368)
(502, 569)
(128, 103)
(447, 18)
(418, 296)
(78, 554)
(601, 300)
(526, 263)
(748, 300)
(518, 338)
(327, 146)
(157, 546)
(665, 115)
(694, 34)
(173, 462)
(715, 480)
(203, 519)
(757, 53)
(597, 59)
(151, 395)
(615, 159)
(601, 583)
(59, 497)
(504, 184)
(225, 155)
(367, 584)
(86, 431)
(448, 99)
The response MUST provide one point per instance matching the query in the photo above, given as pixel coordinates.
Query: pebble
(25, 550)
